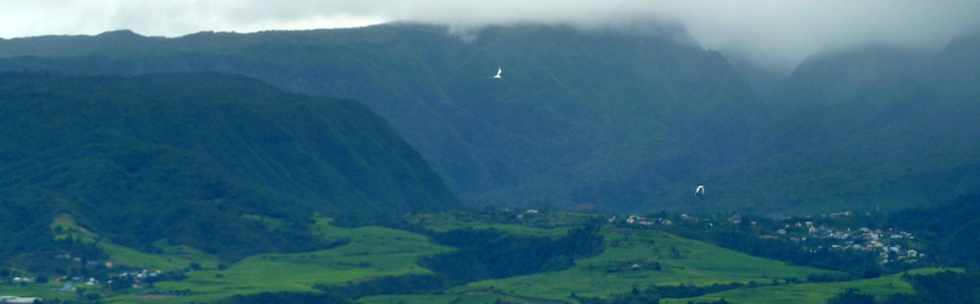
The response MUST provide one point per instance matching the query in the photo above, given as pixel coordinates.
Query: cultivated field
(811, 293)
(630, 260)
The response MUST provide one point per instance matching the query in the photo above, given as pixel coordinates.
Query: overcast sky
(776, 32)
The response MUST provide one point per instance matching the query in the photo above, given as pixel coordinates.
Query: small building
(19, 300)
(68, 287)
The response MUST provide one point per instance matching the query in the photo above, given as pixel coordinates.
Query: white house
(19, 300)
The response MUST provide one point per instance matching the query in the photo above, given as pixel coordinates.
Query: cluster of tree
(348, 293)
(952, 229)
(941, 288)
(654, 294)
(635, 297)
(852, 296)
(488, 253)
(408, 284)
(690, 291)
(288, 298)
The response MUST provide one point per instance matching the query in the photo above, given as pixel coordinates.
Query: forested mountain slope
(597, 117)
(221, 163)
(625, 121)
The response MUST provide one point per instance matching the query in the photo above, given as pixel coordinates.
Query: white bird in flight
(699, 190)
(500, 73)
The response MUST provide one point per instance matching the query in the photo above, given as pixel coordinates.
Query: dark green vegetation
(620, 121)
(223, 164)
(812, 293)
(287, 298)
(606, 118)
(231, 189)
(852, 296)
(655, 293)
(945, 287)
(490, 254)
(953, 228)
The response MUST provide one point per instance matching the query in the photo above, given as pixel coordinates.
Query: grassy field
(171, 258)
(629, 261)
(810, 293)
(682, 261)
(807, 293)
(372, 252)
(45, 291)
(633, 258)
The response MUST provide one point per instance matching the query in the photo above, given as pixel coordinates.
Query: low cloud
(774, 32)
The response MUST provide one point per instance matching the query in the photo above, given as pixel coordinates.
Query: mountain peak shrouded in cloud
(776, 33)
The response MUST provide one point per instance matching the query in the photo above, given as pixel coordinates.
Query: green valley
(633, 257)
(499, 163)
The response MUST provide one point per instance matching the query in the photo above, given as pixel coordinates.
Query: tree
(675, 253)
(852, 296)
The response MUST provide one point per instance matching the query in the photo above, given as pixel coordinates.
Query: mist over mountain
(778, 35)
(874, 126)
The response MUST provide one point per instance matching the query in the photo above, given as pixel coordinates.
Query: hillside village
(813, 235)
(87, 274)
(834, 233)
(840, 234)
